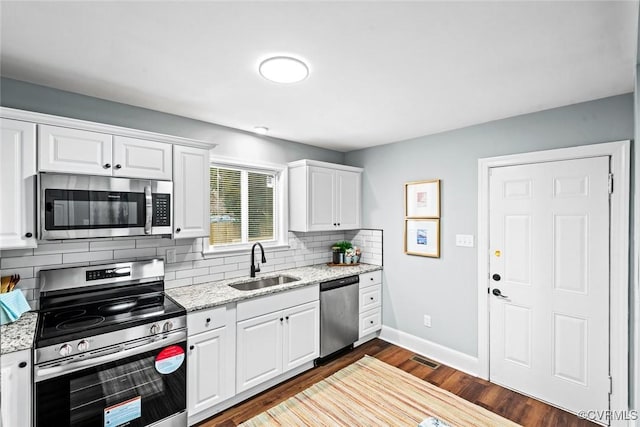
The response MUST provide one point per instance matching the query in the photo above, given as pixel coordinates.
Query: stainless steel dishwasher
(339, 303)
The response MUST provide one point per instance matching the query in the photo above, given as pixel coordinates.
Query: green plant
(342, 245)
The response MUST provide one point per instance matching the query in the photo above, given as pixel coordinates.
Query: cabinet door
(139, 158)
(69, 150)
(321, 199)
(15, 374)
(208, 369)
(17, 184)
(348, 200)
(301, 335)
(190, 192)
(259, 344)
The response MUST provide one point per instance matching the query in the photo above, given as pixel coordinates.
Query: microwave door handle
(148, 209)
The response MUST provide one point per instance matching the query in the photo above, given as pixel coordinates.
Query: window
(246, 206)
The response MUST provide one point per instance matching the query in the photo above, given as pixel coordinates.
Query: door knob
(497, 293)
(496, 277)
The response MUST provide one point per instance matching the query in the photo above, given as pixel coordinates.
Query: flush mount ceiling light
(283, 69)
(261, 130)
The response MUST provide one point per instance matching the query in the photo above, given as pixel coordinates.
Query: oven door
(77, 206)
(135, 391)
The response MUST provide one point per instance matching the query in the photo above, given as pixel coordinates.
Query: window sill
(244, 250)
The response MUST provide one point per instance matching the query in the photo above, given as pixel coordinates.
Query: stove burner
(117, 307)
(80, 322)
(68, 314)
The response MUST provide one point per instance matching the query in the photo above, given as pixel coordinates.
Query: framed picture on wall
(422, 237)
(422, 199)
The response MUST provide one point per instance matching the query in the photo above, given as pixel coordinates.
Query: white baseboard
(458, 360)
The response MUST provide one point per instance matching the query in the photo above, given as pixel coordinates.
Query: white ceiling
(381, 71)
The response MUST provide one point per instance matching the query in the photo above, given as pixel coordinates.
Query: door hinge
(610, 184)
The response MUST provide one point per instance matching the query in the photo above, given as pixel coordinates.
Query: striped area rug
(372, 393)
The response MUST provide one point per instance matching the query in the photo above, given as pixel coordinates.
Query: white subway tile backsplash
(223, 268)
(209, 262)
(112, 244)
(57, 248)
(29, 261)
(134, 253)
(190, 266)
(192, 272)
(154, 243)
(87, 256)
(208, 278)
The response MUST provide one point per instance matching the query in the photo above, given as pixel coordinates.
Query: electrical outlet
(464, 240)
(427, 320)
(171, 255)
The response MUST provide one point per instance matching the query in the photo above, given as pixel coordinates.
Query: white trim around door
(619, 153)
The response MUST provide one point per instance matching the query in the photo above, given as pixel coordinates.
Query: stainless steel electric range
(110, 348)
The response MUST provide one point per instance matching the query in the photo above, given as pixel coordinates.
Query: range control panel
(108, 273)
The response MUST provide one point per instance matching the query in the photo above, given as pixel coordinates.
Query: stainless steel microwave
(82, 206)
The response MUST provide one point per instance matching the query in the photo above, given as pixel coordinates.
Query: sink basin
(263, 282)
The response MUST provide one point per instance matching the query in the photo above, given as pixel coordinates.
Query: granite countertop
(206, 295)
(18, 335)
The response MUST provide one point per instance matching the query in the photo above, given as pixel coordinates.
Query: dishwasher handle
(339, 283)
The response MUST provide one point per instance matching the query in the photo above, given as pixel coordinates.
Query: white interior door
(549, 243)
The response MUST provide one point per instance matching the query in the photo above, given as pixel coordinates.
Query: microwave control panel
(161, 210)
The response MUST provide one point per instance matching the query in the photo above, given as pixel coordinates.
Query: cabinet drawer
(371, 278)
(206, 320)
(370, 321)
(370, 297)
(279, 301)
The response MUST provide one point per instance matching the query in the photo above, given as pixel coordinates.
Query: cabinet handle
(338, 224)
(371, 278)
(371, 298)
(334, 224)
(22, 365)
(371, 321)
(178, 230)
(287, 318)
(191, 347)
(208, 320)
(281, 319)
(28, 235)
(107, 165)
(118, 166)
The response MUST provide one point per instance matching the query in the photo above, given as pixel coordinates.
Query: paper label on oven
(169, 359)
(122, 413)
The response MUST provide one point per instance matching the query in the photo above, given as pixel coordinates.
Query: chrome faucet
(255, 269)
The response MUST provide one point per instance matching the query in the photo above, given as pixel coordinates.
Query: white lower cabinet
(301, 335)
(370, 319)
(15, 374)
(259, 350)
(270, 342)
(211, 358)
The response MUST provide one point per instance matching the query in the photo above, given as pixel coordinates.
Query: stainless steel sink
(263, 282)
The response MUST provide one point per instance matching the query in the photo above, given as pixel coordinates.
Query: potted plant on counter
(339, 248)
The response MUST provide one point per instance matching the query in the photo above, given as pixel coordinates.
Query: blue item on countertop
(12, 305)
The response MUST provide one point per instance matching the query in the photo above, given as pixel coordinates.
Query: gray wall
(446, 288)
(231, 142)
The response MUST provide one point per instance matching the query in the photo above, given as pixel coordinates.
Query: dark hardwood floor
(514, 406)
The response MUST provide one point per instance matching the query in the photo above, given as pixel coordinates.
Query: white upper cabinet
(69, 150)
(190, 192)
(17, 184)
(324, 196)
(139, 158)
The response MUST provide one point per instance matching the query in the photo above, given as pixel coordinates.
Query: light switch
(464, 240)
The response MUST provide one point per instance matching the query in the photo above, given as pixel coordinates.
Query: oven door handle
(148, 209)
(61, 368)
